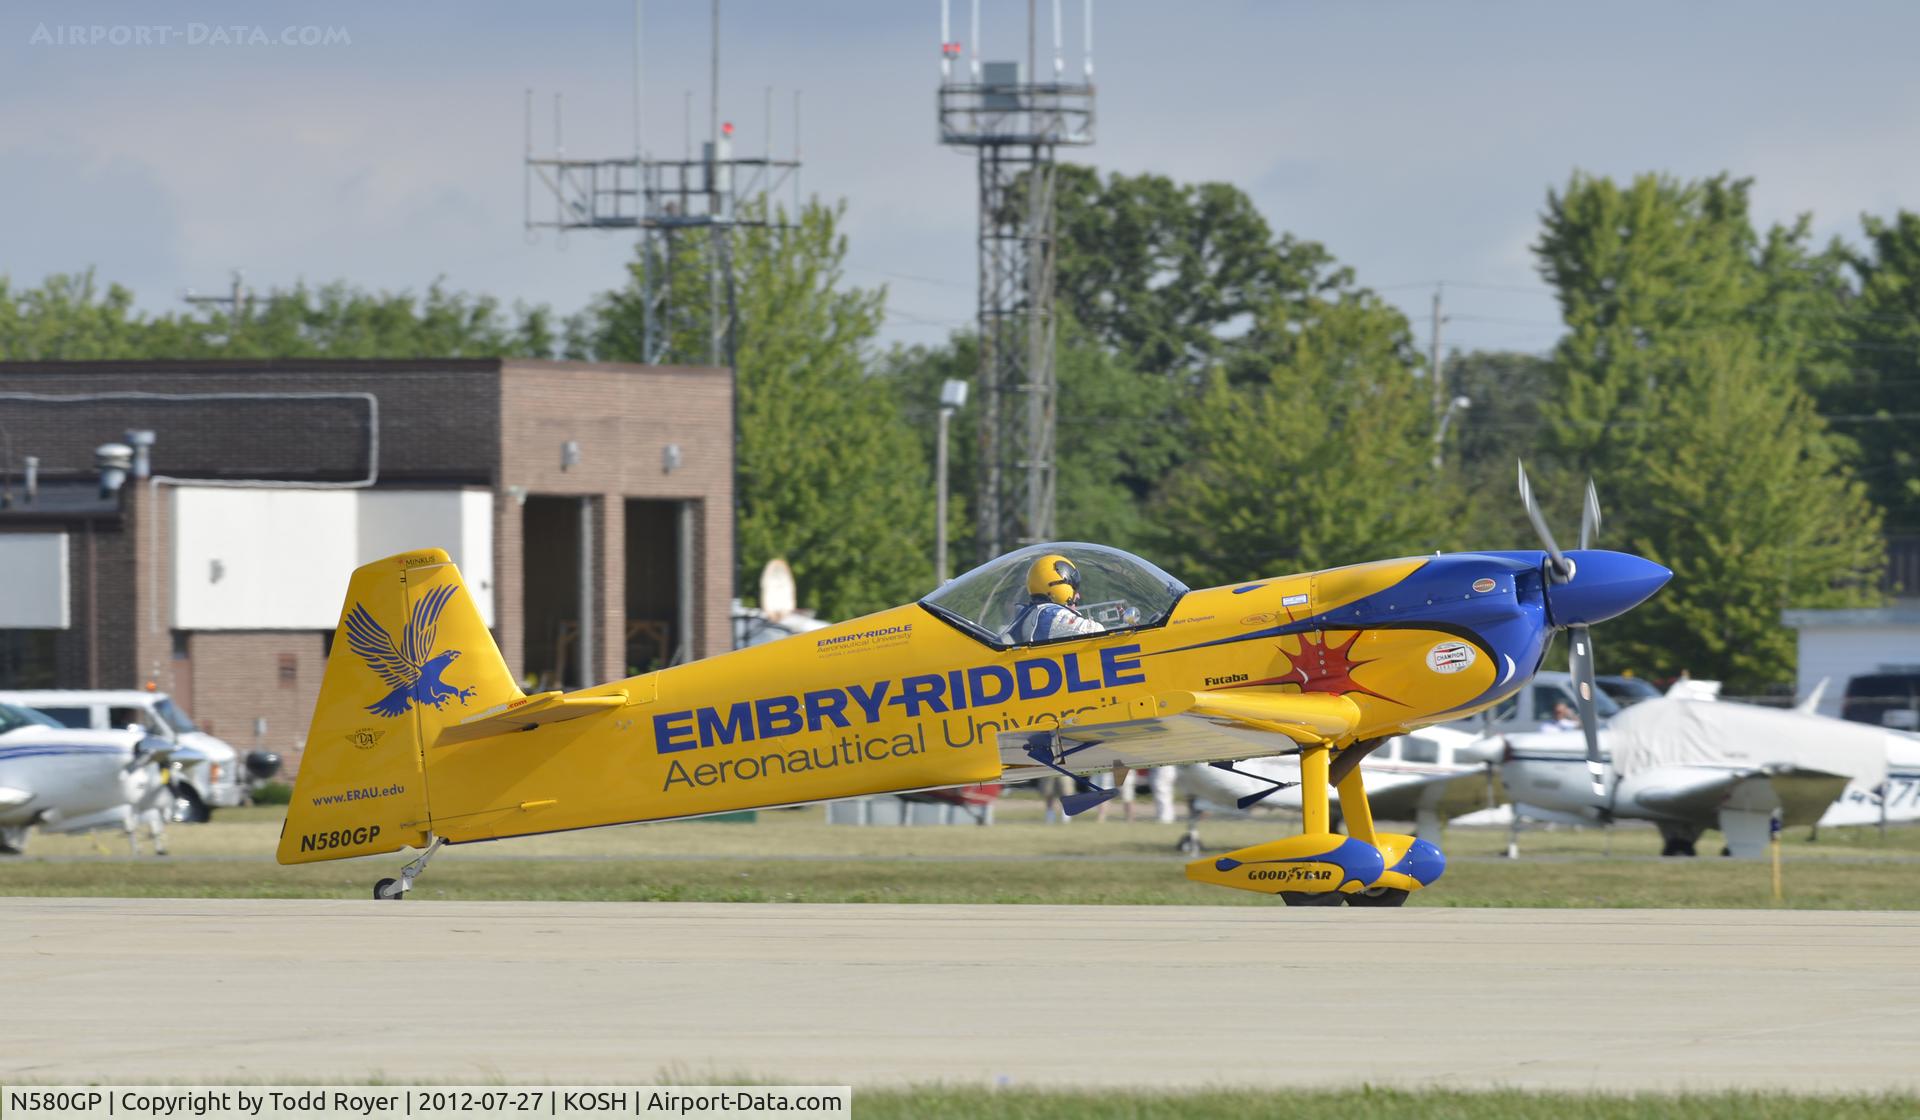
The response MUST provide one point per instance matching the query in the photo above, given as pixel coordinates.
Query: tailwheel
(398, 888)
(1311, 898)
(1379, 896)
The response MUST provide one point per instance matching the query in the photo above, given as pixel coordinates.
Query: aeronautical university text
(769, 719)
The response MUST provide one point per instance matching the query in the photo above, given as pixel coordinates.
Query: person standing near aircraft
(1053, 591)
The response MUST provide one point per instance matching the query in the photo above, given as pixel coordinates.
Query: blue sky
(1416, 140)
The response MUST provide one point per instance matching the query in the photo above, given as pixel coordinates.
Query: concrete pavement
(214, 990)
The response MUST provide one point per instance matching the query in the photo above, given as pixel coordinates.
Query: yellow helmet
(1054, 577)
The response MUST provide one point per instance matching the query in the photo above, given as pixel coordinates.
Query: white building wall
(280, 559)
(33, 581)
(1838, 645)
(247, 559)
(460, 521)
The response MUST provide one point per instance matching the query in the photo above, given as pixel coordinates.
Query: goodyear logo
(775, 717)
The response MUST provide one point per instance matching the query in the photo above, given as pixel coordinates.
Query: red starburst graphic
(1321, 666)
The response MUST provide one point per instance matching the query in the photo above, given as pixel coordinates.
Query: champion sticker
(1450, 657)
(1483, 585)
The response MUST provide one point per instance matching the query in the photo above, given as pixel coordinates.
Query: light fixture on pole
(953, 397)
(1440, 431)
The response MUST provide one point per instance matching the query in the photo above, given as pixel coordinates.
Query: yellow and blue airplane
(421, 737)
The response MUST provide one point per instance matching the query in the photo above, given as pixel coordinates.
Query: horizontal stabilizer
(529, 712)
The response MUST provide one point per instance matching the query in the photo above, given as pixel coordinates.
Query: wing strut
(1253, 799)
(1089, 795)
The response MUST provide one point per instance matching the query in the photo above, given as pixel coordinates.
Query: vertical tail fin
(410, 656)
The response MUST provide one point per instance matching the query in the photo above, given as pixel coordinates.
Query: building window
(289, 670)
(26, 659)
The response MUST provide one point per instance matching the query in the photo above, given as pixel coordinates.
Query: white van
(218, 781)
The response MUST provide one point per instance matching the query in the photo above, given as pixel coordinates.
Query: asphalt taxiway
(182, 990)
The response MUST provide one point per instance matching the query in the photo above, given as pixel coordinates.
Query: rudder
(410, 656)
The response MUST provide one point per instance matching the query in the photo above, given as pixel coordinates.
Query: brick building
(219, 578)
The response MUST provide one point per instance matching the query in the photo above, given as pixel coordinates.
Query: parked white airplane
(1427, 777)
(1689, 765)
(58, 779)
(1896, 801)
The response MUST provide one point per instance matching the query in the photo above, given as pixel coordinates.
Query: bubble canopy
(1117, 589)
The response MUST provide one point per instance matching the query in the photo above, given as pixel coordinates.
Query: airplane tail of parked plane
(410, 660)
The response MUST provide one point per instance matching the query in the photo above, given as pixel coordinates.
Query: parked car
(1628, 691)
(1531, 708)
(218, 782)
(1890, 699)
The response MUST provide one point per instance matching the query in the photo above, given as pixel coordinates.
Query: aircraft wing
(1694, 792)
(1403, 797)
(1805, 794)
(1179, 727)
(14, 798)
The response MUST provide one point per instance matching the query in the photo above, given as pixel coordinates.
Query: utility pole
(1433, 360)
(236, 299)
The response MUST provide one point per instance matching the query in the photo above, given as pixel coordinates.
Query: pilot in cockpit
(1053, 591)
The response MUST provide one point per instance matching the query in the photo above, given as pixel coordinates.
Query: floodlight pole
(953, 395)
(1015, 125)
(1433, 361)
(940, 499)
(1440, 430)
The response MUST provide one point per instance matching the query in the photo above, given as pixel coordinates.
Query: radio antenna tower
(1014, 122)
(665, 200)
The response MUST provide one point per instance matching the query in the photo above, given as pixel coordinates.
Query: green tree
(1512, 394)
(1173, 275)
(829, 475)
(1680, 384)
(69, 318)
(339, 320)
(1324, 462)
(1882, 398)
(1116, 429)
(1754, 513)
(1159, 285)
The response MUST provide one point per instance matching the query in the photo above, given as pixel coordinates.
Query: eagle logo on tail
(410, 669)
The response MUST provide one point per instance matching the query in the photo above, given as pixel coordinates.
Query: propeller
(1558, 566)
(1560, 570)
(1581, 660)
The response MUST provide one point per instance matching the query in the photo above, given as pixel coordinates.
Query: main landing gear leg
(1313, 787)
(1359, 814)
(1315, 816)
(397, 888)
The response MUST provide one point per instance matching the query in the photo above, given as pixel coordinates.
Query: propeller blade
(1580, 661)
(1562, 570)
(1590, 517)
